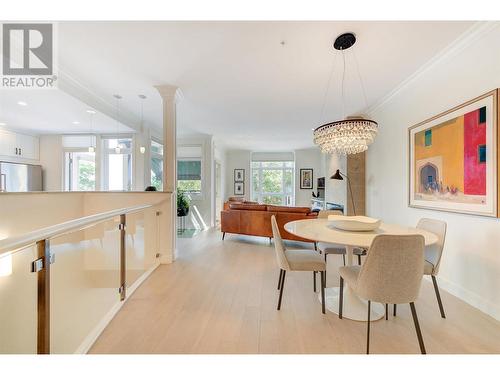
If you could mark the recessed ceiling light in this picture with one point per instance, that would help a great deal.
(76, 122)
(24, 104)
(91, 111)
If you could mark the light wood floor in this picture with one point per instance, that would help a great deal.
(220, 297)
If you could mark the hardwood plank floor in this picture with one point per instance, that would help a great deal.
(220, 297)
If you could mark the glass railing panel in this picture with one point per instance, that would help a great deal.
(18, 302)
(142, 244)
(85, 279)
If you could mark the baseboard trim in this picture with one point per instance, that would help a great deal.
(106, 319)
(470, 297)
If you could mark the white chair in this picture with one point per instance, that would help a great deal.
(297, 260)
(433, 255)
(392, 273)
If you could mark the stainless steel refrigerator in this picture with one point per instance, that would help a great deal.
(16, 177)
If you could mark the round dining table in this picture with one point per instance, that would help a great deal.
(322, 230)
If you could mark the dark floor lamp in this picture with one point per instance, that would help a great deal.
(339, 176)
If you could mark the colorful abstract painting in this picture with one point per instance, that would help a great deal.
(453, 159)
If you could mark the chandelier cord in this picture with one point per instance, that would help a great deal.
(343, 79)
(360, 80)
(325, 97)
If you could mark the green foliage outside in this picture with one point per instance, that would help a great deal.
(157, 173)
(189, 186)
(86, 175)
(278, 182)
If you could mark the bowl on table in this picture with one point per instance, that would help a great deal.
(354, 223)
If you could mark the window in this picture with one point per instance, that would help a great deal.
(482, 115)
(117, 163)
(481, 150)
(273, 182)
(79, 171)
(189, 175)
(428, 137)
(157, 165)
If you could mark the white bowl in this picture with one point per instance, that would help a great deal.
(354, 223)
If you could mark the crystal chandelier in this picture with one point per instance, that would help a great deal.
(353, 134)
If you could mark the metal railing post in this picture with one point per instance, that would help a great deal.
(123, 257)
(43, 290)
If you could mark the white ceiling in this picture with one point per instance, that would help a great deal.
(52, 112)
(239, 82)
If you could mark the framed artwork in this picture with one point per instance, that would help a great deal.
(239, 188)
(239, 175)
(306, 178)
(454, 159)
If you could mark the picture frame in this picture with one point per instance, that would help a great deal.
(306, 178)
(453, 159)
(239, 175)
(239, 188)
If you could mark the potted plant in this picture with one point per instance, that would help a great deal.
(182, 204)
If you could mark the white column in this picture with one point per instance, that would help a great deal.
(170, 96)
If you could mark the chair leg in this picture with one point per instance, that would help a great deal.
(314, 281)
(368, 328)
(323, 278)
(417, 328)
(394, 310)
(223, 235)
(341, 297)
(359, 260)
(438, 296)
(315, 246)
(343, 257)
(281, 289)
(279, 280)
(270, 241)
(325, 256)
(386, 311)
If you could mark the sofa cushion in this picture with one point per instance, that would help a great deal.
(298, 210)
(245, 206)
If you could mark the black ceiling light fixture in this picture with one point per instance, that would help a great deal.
(344, 41)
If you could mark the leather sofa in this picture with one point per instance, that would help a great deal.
(254, 219)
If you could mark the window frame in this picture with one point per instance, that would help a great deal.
(155, 155)
(196, 194)
(67, 181)
(258, 196)
(105, 160)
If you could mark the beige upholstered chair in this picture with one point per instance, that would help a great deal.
(297, 260)
(392, 273)
(433, 255)
(329, 248)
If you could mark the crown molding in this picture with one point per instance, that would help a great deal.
(78, 90)
(471, 35)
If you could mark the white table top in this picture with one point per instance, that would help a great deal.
(321, 230)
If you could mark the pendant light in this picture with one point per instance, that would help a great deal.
(92, 136)
(142, 149)
(351, 135)
(118, 98)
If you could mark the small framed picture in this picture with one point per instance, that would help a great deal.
(306, 178)
(239, 188)
(239, 175)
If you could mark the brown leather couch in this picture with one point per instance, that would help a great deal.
(254, 219)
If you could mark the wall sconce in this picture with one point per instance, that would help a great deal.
(6, 265)
(142, 149)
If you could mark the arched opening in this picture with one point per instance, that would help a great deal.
(428, 178)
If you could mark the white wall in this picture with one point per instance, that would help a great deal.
(307, 159)
(51, 160)
(237, 159)
(470, 268)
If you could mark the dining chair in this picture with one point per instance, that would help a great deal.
(297, 260)
(391, 274)
(329, 248)
(433, 255)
